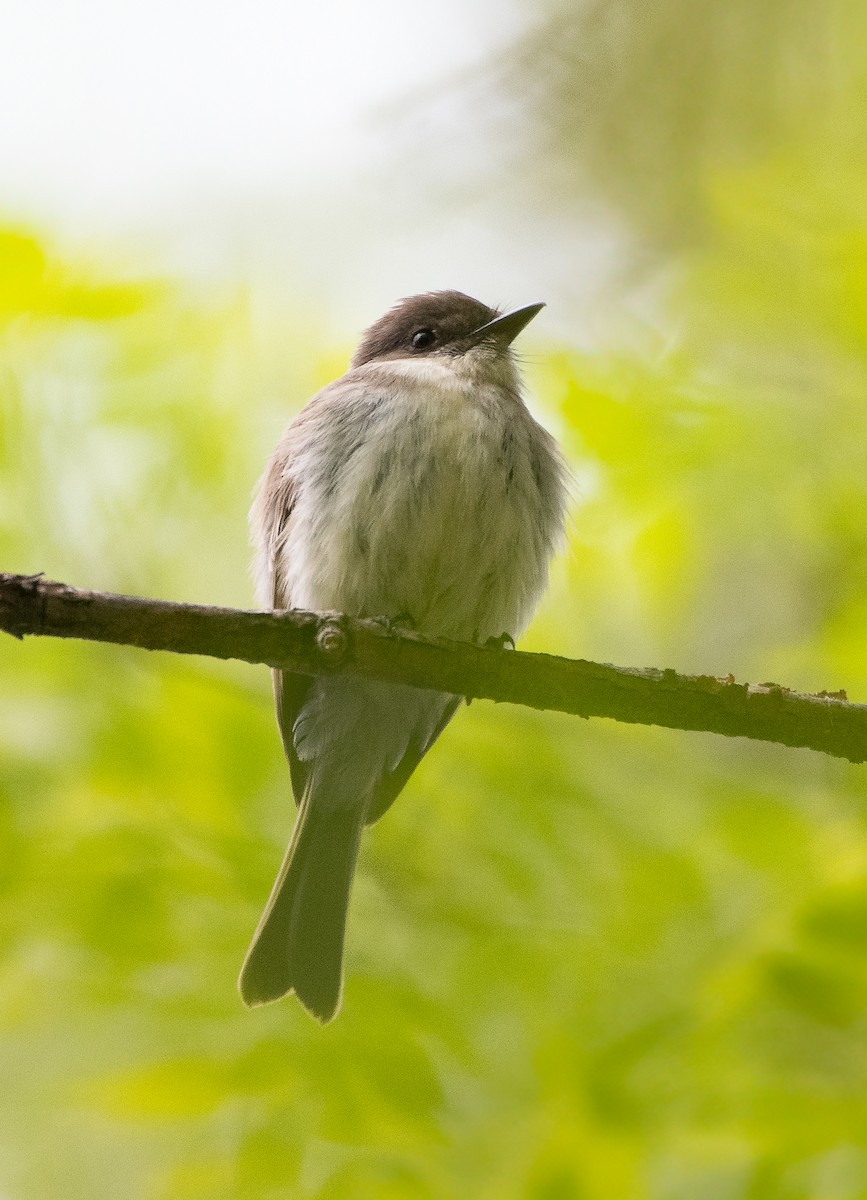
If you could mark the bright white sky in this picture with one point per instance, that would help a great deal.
(258, 135)
(113, 107)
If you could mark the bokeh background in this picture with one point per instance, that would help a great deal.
(584, 961)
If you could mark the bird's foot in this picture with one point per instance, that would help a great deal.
(500, 642)
(394, 626)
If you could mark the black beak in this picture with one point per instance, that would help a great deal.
(506, 328)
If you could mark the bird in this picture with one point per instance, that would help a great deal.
(416, 488)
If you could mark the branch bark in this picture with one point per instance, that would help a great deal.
(328, 643)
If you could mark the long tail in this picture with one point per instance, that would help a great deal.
(298, 945)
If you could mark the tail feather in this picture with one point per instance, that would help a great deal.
(298, 946)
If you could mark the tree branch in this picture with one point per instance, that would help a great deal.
(330, 643)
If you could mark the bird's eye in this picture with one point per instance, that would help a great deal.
(422, 338)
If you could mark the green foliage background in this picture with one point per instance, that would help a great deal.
(584, 961)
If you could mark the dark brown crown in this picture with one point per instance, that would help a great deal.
(451, 316)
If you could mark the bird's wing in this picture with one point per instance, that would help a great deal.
(392, 783)
(290, 692)
(271, 518)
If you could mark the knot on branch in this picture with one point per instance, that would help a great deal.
(332, 641)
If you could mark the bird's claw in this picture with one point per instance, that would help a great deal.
(396, 625)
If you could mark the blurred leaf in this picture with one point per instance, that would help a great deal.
(163, 1091)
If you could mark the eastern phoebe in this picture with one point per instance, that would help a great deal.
(418, 487)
